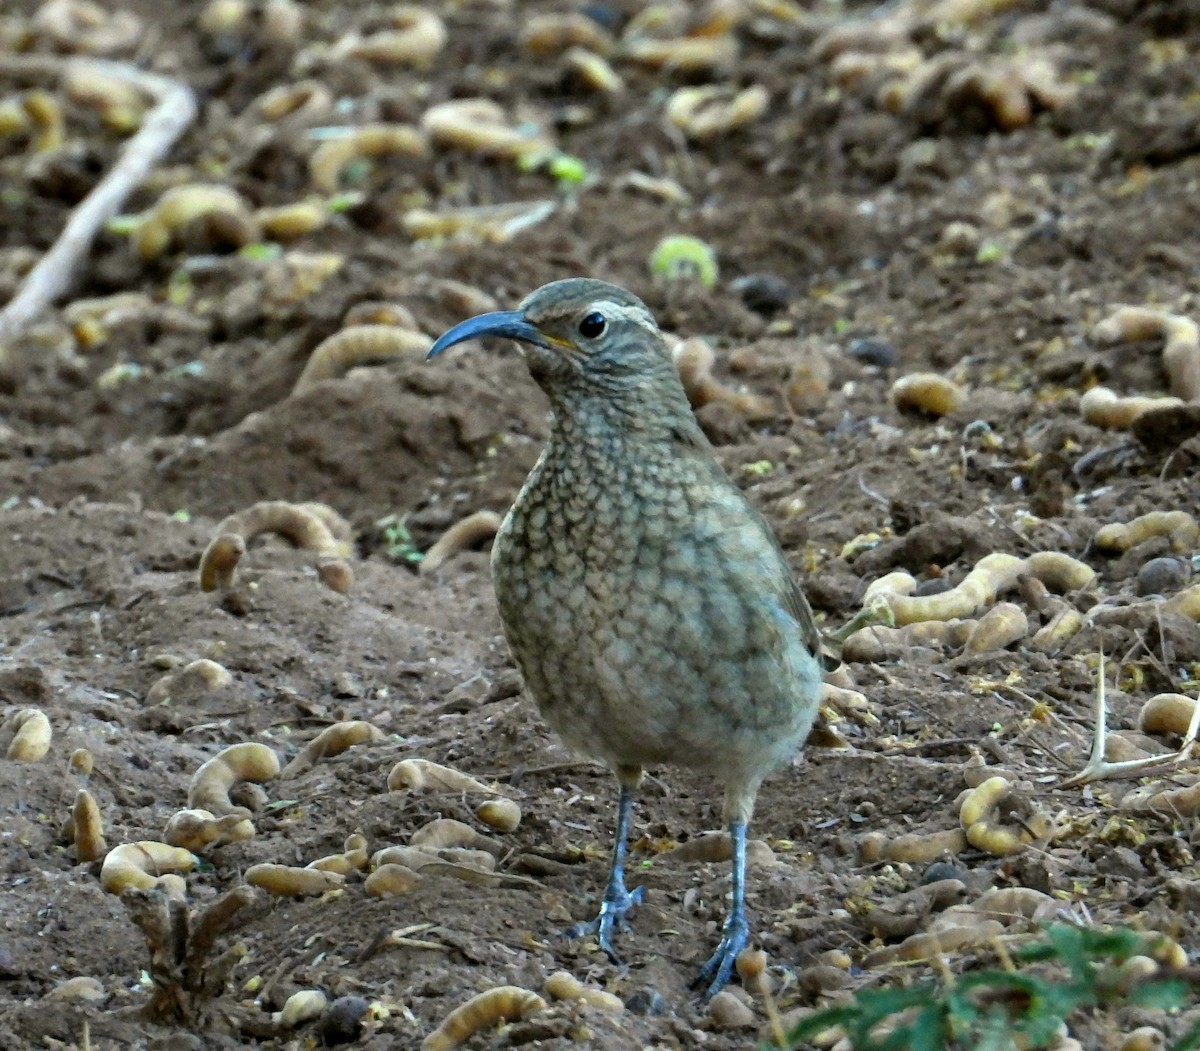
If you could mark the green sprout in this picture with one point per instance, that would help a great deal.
(567, 169)
(398, 543)
(990, 252)
(683, 258)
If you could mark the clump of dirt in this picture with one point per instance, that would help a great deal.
(956, 188)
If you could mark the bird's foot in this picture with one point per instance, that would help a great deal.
(613, 911)
(715, 973)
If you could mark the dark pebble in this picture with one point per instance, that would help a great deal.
(1161, 576)
(341, 1023)
(941, 870)
(763, 293)
(873, 352)
(646, 1002)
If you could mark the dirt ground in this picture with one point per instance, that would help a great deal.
(960, 187)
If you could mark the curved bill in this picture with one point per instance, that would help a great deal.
(510, 324)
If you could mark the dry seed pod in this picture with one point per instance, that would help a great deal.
(952, 939)
(391, 879)
(1059, 571)
(490, 223)
(1179, 526)
(371, 140)
(1185, 603)
(31, 736)
(290, 222)
(121, 105)
(1182, 802)
(464, 534)
(444, 832)
(694, 359)
(331, 741)
(504, 815)
(301, 1007)
(88, 828)
(727, 1011)
(562, 985)
(414, 775)
(354, 857)
(978, 817)
(553, 34)
(422, 857)
(185, 204)
(210, 786)
(481, 126)
(993, 575)
(1181, 350)
(592, 72)
(807, 388)
(1007, 904)
(683, 54)
(220, 560)
(879, 644)
(703, 113)
(198, 830)
(1167, 713)
(192, 680)
(83, 27)
(928, 392)
(304, 101)
(1104, 408)
(335, 574)
(358, 345)
(508, 1003)
(46, 115)
(380, 312)
(289, 881)
(717, 847)
(415, 37)
(1001, 626)
(81, 763)
(142, 864)
(306, 526)
(83, 989)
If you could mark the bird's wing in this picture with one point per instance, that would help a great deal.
(693, 446)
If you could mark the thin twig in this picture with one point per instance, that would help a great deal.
(175, 109)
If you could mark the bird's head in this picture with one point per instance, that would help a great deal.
(579, 336)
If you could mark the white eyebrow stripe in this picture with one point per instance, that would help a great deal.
(626, 312)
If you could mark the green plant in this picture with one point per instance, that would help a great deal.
(1068, 969)
(398, 543)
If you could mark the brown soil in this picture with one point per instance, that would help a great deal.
(111, 483)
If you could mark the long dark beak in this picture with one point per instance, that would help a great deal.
(508, 323)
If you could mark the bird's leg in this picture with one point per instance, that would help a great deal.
(736, 934)
(617, 900)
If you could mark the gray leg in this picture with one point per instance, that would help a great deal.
(617, 900)
(715, 973)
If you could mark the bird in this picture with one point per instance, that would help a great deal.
(646, 602)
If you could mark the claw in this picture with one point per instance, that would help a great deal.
(717, 971)
(611, 920)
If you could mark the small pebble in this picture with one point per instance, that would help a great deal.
(873, 352)
(645, 1002)
(765, 294)
(342, 1021)
(1161, 576)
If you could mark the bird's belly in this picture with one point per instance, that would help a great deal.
(638, 669)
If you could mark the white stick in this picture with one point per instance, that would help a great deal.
(175, 109)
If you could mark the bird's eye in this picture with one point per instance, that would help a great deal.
(593, 325)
